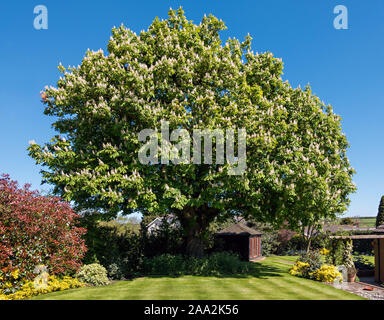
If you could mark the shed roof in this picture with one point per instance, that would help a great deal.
(239, 229)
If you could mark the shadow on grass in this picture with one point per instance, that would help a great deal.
(256, 270)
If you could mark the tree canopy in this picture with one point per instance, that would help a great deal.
(296, 164)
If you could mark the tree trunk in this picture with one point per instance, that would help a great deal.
(195, 247)
(309, 244)
(310, 232)
(195, 222)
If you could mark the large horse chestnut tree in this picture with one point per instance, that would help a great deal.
(296, 171)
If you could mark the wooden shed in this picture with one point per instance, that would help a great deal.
(240, 239)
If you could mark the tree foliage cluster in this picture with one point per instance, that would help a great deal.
(297, 170)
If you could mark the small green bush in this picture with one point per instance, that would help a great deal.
(165, 264)
(116, 271)
(216, 264)
(224, 263)
(313, 258)
(94, 274)
(347, 220)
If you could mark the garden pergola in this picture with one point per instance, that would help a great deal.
(378, 244)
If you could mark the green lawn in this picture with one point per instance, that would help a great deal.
(367, 222)
(269, 281)
(369, 258)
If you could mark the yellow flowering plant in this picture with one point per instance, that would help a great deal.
(327, 273)
(324, 251)
(15, 274)
(15, 286)
(310, 265)
(299, 269)
(9, 280)
(29, 289)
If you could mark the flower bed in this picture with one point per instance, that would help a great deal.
(30, 288)
(310, 266)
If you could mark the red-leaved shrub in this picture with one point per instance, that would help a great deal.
(37, 229)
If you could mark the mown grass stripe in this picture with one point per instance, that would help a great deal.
(263, 289)
(271, 281)
(309, 289)
(237, 289)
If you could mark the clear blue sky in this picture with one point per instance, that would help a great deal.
(344, 67)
